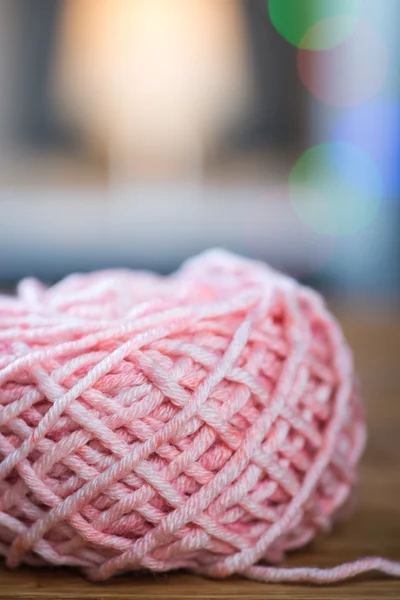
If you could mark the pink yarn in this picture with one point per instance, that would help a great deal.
(207, 421)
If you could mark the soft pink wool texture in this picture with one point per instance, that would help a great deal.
(207, 421)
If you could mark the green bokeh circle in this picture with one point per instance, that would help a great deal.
(344, 189)
(294, 19)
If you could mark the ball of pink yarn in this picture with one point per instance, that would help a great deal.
(207, 420)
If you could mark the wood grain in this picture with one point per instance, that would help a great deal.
(373, 529)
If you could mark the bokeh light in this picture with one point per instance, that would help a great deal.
(295, 21)
(375, 127)
(340, 187)
(348, 74)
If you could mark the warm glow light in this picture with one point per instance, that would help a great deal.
(151, 79)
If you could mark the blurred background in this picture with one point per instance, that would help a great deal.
(136, 133)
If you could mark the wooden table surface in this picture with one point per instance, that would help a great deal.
(373, 529)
